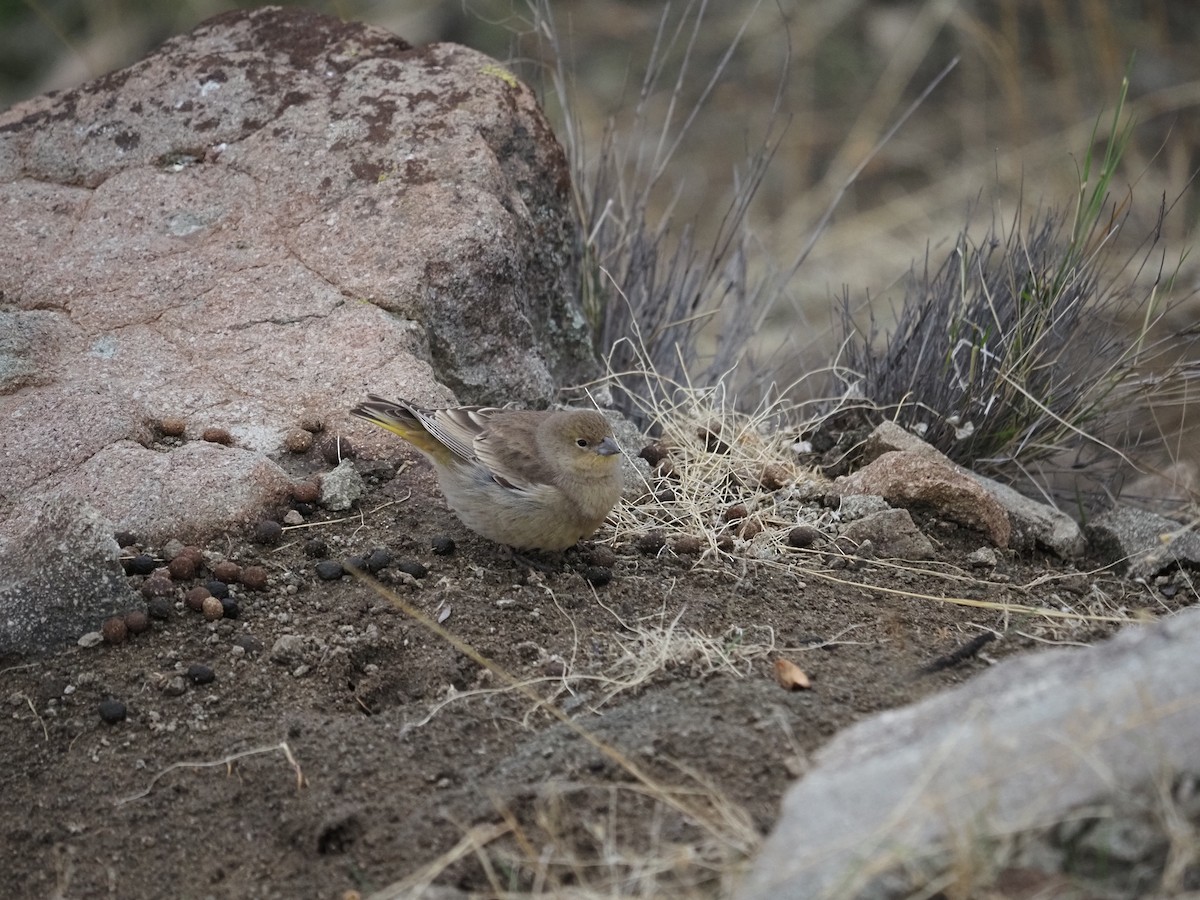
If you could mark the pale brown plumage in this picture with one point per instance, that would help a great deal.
(532, 480)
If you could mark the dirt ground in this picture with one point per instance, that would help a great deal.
(364, 750)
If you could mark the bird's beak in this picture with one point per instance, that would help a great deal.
(607, 447)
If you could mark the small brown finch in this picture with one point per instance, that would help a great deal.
(532, 480)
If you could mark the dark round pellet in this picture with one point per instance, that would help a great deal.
(159, 608)
(802, 536)
(194, 599)
(442, 545)
(142, 564)
(230, 608)
(112, 711)
(218, 589)
(268, 532)
(199, 673)
(598, 576)
(136, 621)
(379, 558)
(316, 548)
(254, 578)
(413, 568)
(330, 570)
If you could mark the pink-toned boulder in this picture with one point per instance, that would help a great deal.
(253, 227)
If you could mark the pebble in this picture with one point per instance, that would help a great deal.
(112, 711)
(330, 570)
(212, 608)
(91, 639)
(293, 517)
(174, 686)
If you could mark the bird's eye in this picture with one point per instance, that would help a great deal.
(582, 443)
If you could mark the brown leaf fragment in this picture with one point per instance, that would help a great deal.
(790, 676)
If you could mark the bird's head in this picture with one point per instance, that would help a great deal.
(582, 440)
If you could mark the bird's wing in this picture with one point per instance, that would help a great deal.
(457, 428)
(508, 448)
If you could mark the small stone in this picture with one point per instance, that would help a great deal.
(687, 545)
(172, 549)
(217, 588)
(194, 599)
(114, 630)
(330, 570)
(306, 491)
(294, 517)
(172, 426)
(136, 621)
(254, 578)
(598, 576)
(379, 558)
(554, 667)
(217, 436)
(182, 567)
(413, 568)
(174, 686)
(142, 564)
(157, 586)
(983, 558)
(288, 648)
(230, 608)
(212, 609)
(199, 673)
(268, 533)
(228, 572)
(297, 440)
(650, 542)
(91, 639)
(442, 545)
(159, 608)
(803, 536)
(112, 711)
